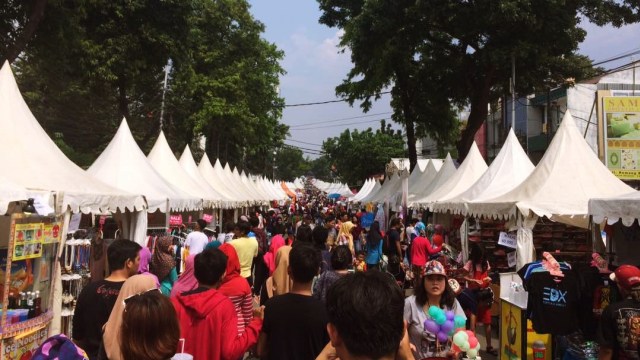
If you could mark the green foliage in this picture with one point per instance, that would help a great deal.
(360, 154)
(320, 168)
(438, 52)
(290, 164)
(92, 62)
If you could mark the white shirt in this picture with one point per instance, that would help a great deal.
(196, 241)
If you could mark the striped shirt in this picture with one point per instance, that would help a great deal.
(244, 309)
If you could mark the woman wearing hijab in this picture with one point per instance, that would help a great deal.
(279, 283)
(143, 268)
(187, 280)
(374, 247)
(236, 288)
(345, 237)
(270, 257)
(163, 265)
(134, 285)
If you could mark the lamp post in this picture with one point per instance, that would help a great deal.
(274, 164)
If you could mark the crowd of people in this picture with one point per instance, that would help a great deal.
(302, 282)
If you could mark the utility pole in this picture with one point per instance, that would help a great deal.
(513, 92)
(164, 90)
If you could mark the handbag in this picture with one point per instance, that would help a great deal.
(485, 296)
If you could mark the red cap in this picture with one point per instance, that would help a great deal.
(627, 276)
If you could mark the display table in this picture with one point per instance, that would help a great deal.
(516, 331)
(28, 252)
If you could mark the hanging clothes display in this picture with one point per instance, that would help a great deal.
(553, 296)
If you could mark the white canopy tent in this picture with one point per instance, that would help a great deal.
(124, 165)
(567, 176)
(226, 173)
(419, 185)
(468, 173)
(364, 190)
(188, 164)
(625, 208)
(374, 188)
(36, 163)
(508, 170)
(165, 162)
(217, 182)
(390, 187)
(10, 192)
(446, 171)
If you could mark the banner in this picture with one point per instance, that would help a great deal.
(508, 240)
(175, 220)
(27, 241)
(622, 135)
(24, 345)
(208, 218)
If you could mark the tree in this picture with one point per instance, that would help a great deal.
(225, 86)
(290, 164)
(464, 49)
(92, 62)
(19, 21)
(320, 168)
(360, 154)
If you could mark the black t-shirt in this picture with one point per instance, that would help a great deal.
(393, 237)
(620, 329)
(296, 327)
(93, 308)
(553, 305)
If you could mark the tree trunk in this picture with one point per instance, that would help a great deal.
(123, 103)
(36, 16)
(477, 115)
(407, 110)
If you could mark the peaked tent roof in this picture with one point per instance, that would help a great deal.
(418, 185)
(216, 182)
(37, 163)
(468, 173)
(124, 166)
(625, 208)
(389, 189)
(374, 188)
(560, 187)
(364, 190)
(165, 162)
(10, 192)
(446, 171)
(188, 164)
(508, 170)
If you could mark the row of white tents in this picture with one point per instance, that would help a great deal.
(122, 179)
(569, 184)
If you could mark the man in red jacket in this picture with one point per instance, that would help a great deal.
(208, 320)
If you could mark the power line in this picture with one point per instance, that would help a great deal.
(302, 142)
(341, 119)
(329, 126)
(328, 101)
(302, 148)
(622, 56)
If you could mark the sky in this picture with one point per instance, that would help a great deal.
(315, 65)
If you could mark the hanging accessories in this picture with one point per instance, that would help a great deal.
(68, 258)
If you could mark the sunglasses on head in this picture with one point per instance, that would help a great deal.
(126, 300)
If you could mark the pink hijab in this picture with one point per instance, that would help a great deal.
(187, 280)
(270, 257)
(143, 268)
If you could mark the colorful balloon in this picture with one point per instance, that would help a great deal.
(443, 337)
(459, 322)
(440, 319)
(473, 342)
(470, 333)
(465, 346)
(461, 338)
(472, 353)
(450, 314)
(434, 311)
(447, 327)
(431, 326)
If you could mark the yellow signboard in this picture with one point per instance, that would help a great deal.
(27, 241)
(622, 135)
(511, 332)
(23, 346)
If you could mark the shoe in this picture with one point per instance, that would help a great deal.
(490, 350)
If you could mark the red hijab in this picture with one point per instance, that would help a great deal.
(233, 284)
